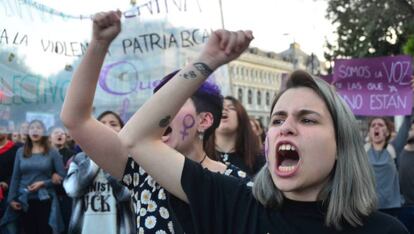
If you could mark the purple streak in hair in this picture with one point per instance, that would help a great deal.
(165, 80)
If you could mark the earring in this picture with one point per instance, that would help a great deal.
(201, 135)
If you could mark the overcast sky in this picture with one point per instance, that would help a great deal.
(277, 23)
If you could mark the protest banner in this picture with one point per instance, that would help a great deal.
(41, 46)
(378, 86)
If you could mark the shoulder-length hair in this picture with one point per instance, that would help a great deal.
(388, 124)
(44, 141)
(350, 193)
(247, 144)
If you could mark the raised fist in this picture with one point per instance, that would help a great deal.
(106, 26)
(224, 46)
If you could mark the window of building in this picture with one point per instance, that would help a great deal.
(240, 94)
(249, 96)
(267, 98)
(259, 98)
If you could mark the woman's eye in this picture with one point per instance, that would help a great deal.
(277, 121)
(308, 121)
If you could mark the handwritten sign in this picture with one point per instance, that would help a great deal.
(43, 44)
(375, 86)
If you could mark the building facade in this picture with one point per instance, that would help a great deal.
(256, 77)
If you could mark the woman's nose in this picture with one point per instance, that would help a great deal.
(288, 128)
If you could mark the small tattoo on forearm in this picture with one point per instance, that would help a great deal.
(189, 75)
(203, 68)
(165, 121)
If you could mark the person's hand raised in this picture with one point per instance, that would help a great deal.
(106, 26)
(224, 46)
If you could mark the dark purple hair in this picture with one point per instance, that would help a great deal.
(207, 98)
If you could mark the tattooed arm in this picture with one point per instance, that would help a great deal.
(142, 134)
(98, 141)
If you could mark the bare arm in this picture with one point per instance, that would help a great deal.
(99, 142)
(142, 134)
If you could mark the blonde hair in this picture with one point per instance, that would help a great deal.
(350, 193)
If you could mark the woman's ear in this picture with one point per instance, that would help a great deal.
(205, 120)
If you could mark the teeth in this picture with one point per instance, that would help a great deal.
(286, 168)
(287, 147)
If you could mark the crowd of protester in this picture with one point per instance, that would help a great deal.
(111, 178)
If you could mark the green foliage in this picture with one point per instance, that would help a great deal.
(367, 28)
(409, 46)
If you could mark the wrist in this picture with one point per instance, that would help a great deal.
(99, 45)
(210, 62)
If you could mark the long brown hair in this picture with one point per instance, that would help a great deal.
(44, 141)
(247, 144)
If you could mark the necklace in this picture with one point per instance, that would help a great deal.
(218, 148)
(224, 154)
(204, 158)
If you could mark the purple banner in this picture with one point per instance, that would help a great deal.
(375, 86)
(327, 78)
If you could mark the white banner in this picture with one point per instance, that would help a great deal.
(41, 46)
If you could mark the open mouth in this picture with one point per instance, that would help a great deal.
(287, 159)
(224, 117)
(168, 130)
(35, 135)
(376, 133)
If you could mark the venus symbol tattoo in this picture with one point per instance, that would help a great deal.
(188, 122)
